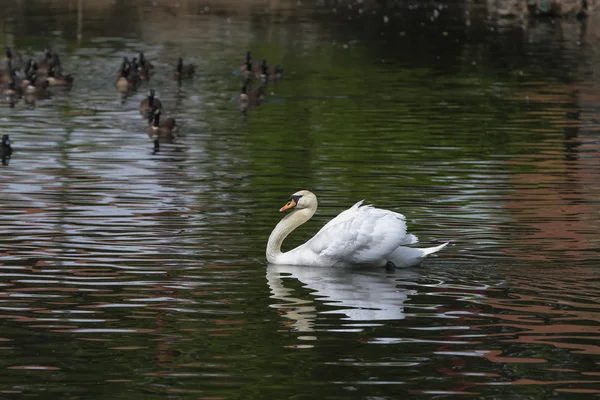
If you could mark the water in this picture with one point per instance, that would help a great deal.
(128, 274)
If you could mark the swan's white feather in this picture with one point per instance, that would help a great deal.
(343, 216)
(361, 235)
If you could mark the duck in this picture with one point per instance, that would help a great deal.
(276, 73)
(249, 95)
(247, 65)
(128, 78)
(11, 93)
(583, 11)
(133, 73)
(35, 86)
(144, 63)
(5, 150)
(11, 90)
(8, 55)
(125, 65)
(8, 73)
(160, 125)
(160, 129)
(134, 66)
(244, 93)
(15, 58)
(55, 79)
(26, 69)
(30, 70)
(267, 73)
(183, 71)
(123, 84)
(149, 104)
(249, 68)
(359, 236)
(144, 68)
(49, 59)
(263, 72)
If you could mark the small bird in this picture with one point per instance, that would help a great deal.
(5, 150)
(183, 71)
(149, 104)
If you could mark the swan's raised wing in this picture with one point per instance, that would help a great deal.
(343, 216)
(360, 235)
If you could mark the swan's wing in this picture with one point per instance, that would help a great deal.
(361, 235)
(343, 216)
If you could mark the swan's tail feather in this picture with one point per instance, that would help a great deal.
(411, 256)
(409, 239)
(431, 250)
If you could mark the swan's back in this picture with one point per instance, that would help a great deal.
(344, 216)
(361, 235)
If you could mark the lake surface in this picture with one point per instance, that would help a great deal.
(129, 274)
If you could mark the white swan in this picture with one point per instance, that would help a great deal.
(359, 236)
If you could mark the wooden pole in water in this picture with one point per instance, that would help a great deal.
(79, 20)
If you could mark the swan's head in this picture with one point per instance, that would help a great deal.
(300, 200)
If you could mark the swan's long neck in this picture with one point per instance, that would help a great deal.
(284, 228)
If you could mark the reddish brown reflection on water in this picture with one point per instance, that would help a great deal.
(544, 317)
(554, 311)
(555, 197)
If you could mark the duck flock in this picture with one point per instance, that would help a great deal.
(249, 70)
(31, 80)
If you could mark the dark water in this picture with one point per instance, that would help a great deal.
(128, 274)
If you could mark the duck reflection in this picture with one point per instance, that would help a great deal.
(358, 295)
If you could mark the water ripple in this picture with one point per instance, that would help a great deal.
(146, 271)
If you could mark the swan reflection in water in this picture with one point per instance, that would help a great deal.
(358, 295)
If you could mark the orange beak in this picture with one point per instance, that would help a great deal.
(289, 204)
